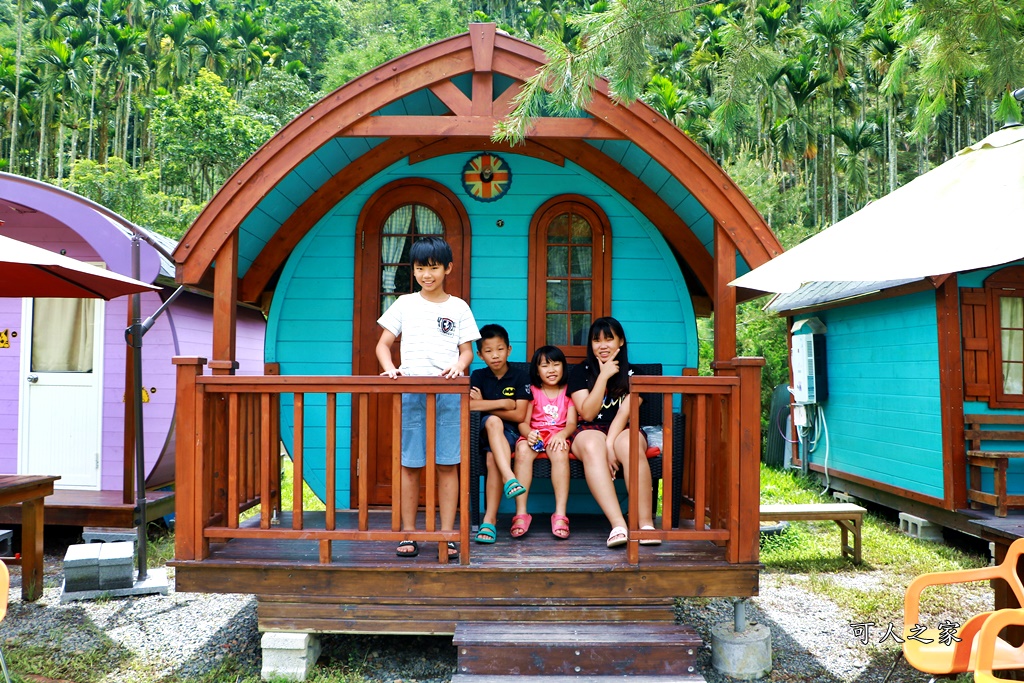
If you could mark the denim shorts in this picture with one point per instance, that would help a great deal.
(511, 434)
(448, 435)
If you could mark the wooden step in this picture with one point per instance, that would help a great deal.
(577, 649)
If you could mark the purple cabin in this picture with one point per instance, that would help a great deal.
(63, 362)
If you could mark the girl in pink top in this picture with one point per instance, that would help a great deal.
(551, 424)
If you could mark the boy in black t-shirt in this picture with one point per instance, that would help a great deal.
(501, 393)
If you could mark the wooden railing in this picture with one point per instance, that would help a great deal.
(228, 459)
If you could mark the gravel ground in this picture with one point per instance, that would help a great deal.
(183, 635)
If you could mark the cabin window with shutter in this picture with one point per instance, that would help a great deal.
(404, 225)
(570, 273)
(1005, 289)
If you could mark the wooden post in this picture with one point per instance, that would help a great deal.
(725, 296)
(744, 545)
(225, 301)
(188, 473)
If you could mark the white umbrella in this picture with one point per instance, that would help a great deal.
(30, 271)
(967, 213)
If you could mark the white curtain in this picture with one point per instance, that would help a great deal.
(428, 222)
(1011, 320)
(62, 335)
(391, 247)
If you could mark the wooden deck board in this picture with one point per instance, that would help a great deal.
(367, 589)
(93, 508)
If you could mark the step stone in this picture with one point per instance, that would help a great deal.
(81, 567)
(576, 649)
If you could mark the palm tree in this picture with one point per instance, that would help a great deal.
(213, 44)
(173, 64)
(859, 138)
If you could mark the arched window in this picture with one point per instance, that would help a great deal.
(570, 273)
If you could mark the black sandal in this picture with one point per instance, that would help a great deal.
(408, 544)
(453, 551)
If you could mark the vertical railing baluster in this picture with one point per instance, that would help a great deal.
(431, 469)
(363, 461)
(232, 473)
(633, 481)
(396, 462)
(700, 461)
(267, 458)
(300, 429)
(464, 448)
(331, 453)
(668, 493)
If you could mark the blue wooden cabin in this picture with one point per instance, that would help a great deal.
(610, 212)
(915, 372)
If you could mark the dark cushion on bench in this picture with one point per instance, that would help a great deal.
(650, 415)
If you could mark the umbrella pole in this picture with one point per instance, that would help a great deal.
(134, 336)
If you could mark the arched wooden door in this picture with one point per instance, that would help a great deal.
(393, 218)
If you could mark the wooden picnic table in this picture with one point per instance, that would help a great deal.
(29, 490)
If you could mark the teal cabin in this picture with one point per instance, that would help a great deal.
(610, 212)
(919, 401)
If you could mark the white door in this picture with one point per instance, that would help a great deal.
(62, 390)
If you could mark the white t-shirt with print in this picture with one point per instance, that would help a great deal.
(431, 332)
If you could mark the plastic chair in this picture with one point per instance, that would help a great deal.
(5, 589)
(988, 642)
(960, 657)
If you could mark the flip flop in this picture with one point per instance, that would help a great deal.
(513, 488)
(520, 525)
(618, 536)
(560, 526)
(649, 541)
(487, 533)
(453, 551)
(408, 544)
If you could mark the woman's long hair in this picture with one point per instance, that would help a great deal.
(552, 354)
(618, 384)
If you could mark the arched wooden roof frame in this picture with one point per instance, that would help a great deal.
(481, 52)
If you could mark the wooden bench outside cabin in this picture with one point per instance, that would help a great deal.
(1003, 428)
(848, 516)
(650, 415)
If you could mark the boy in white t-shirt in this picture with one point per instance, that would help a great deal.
(437, 330)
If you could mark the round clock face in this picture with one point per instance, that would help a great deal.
(486, 177)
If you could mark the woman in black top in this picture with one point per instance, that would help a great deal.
(599, 388)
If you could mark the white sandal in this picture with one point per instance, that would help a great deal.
(649, 541)
(618, 536)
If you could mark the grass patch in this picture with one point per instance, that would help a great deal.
(93, 656)
(874, 590)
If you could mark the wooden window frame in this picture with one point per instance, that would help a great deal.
(997, 286)
(601, 268)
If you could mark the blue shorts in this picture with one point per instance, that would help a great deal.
(511, 434)
(448, 434)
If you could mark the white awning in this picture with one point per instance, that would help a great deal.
(967, 213)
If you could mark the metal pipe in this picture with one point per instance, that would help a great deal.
(739, 615)
(134, 336)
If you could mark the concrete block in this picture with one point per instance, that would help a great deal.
(5, 542)
(289, 655)
(919, 527)
(991, 554)
(115, 565)
(844, 498)
(746, 655)
(82, 567)
(95, 534)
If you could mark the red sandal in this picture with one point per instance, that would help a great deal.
(520, 525)
(560, 526)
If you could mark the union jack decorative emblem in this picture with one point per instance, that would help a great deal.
(486, 177)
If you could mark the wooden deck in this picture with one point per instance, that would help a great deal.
(94, 508)
(366, 588)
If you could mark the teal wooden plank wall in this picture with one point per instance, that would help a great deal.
(883, 409)
(309, 331)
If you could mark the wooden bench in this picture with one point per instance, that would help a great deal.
(999, 428)
(650, 415)
(848, 516)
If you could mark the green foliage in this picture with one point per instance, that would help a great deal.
(375, 31)
(134, 194)
(201, 137)
(275, 98)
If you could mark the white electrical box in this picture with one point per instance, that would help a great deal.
(808, 362)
